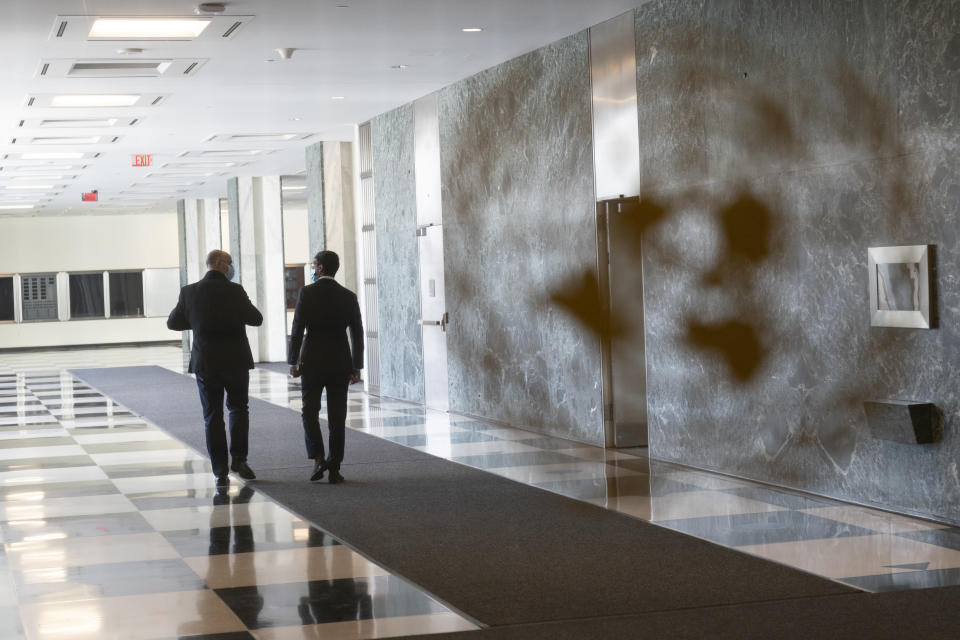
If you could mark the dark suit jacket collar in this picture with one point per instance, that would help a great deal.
(213, 274)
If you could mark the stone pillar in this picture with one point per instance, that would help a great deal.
(195, 258)
(209, 225)
(256, 244)
(338, 204)
(316, 228)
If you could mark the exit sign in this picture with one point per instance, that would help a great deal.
(143, 160)
(90, 196)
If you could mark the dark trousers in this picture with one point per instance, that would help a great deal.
(212, 388)
(312, 387)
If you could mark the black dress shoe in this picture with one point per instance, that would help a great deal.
(243, 470)
(334, 477)
(223, 481)
(318, 468)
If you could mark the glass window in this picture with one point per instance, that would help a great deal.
(293, 281)
(126, 294)
(86, 295)
(39, 297)
(6, 298)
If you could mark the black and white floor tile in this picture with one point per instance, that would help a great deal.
(112, 529)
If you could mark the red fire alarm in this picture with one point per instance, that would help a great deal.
(89, 196)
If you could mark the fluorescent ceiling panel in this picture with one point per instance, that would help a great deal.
(203, 164)
(218, 153)
(68, 139)
(95, 100)
(258, 137)
(147, 28)
(53, 155)
(12, 207)
(78, 123)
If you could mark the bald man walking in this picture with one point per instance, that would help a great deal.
(218, 310)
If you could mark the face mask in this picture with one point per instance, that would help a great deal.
(314, 277)
(230, 272)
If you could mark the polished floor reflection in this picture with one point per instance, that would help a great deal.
(112, 529)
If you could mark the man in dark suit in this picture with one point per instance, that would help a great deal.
(217, 311)
(326, 310)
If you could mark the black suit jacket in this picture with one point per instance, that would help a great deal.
(325, 309)
(217, 311)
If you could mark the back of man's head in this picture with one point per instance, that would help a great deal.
(330, 262)
(219, 260)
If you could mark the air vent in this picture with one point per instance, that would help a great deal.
(203, 164)
(51, 158)
(119, 67)
(79, 123)
(233, 27)
(105, 28)
(226, 153)
(69, 140)
(258, 137)
(92, 100)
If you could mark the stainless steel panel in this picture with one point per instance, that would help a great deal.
(427, 159)
(616, 137)
(624, 352)
(430, 248)
(433, 319)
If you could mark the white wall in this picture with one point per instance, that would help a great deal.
(88, 243)
(296, 241)
(93, 243)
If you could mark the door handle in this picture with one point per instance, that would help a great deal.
(442, 322)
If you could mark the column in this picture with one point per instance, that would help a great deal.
(192, 260)
(256, 244)
(338, 206)
(209, 225)
(316, 229)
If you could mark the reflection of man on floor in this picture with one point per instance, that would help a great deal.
(326, 310)
(242, 570)
(332, 600)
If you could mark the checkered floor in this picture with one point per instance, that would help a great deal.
(112, 529)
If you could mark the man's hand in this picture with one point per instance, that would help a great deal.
(355, 376)
(294, 371)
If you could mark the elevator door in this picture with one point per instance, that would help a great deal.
(624, 356)
(433, 317)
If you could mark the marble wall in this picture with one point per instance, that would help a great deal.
(778, 142)
(518, 217)
(398, 278)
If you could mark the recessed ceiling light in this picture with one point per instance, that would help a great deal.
(7, 207)
(336, 97)
(399, 67)
(94, 100)
(52, 155)
(62, 123)
(40, 187)
(471, 29)
(148, 28)
(66, 140)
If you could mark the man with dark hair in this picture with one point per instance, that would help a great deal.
(217, 311)
(325, 309)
